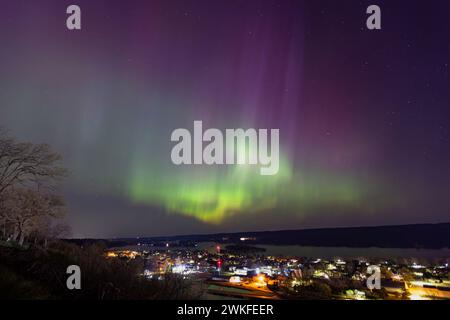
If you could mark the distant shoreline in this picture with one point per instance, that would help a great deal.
(416, 236)
(317, 252)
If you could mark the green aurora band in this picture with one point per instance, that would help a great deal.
(212, 194)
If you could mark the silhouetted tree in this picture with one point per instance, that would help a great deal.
(28, 176)
(26, 211)
(27, 164)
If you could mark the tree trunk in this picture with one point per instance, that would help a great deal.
(21, 239)
(15, 234)
(21, 234)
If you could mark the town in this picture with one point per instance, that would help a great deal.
(219, 271)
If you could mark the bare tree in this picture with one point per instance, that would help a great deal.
(26, 211)
(29, 173)
(27, 164)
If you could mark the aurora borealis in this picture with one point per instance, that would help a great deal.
(364, 116)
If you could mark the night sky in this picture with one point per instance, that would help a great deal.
(364, 116)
